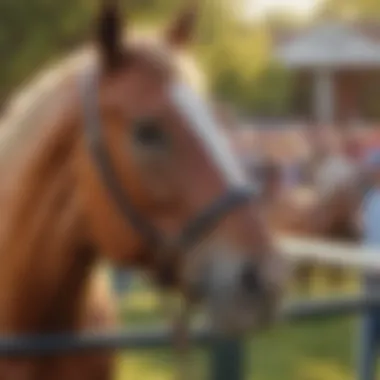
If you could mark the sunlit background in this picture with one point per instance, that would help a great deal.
(261, 8)
(242, 48)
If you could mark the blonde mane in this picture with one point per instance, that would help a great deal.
(24, 113)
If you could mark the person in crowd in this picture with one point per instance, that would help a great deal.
(333, 166)
(268, 174)
(293, 175)
(369, 220)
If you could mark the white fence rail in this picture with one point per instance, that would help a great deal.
(330, 253)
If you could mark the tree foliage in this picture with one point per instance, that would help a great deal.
(32, 32)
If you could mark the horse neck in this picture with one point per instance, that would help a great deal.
(45, 261)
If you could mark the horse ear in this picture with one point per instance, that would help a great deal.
(110, 34)
(183, 28)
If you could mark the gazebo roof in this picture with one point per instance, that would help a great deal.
(333, 45)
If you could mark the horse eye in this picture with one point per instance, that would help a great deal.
(148, 132)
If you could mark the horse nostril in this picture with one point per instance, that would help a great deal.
(250, 279)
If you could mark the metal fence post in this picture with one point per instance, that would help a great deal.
(227, 360)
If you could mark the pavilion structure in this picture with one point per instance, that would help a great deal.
(337, 72)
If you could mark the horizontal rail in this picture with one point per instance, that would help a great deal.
(158, 337)
(326, 252)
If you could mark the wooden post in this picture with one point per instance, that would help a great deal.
(324, 96)
(227, 360)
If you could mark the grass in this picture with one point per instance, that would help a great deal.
(313, 350)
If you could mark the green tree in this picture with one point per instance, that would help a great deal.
(33, 31)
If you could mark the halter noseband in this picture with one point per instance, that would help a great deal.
(195, 229)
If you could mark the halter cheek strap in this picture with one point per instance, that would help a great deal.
(99, 153)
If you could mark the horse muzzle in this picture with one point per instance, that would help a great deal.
(242, 295)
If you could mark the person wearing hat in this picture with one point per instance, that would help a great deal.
(370, 229)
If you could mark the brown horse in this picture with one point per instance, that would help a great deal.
(119, 155)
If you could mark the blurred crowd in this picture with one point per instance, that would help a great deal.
(334, 158)
(317, 157)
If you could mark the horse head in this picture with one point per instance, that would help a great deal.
(160, 184)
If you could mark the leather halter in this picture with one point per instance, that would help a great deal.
(194, 230)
